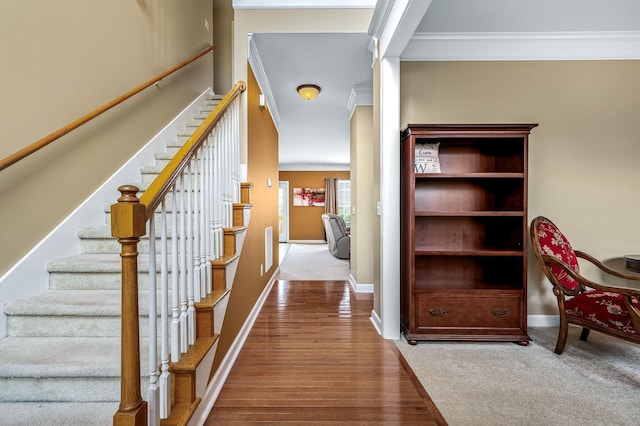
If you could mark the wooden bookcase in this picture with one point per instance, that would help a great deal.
(463, 234)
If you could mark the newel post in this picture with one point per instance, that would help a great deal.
(128, 225)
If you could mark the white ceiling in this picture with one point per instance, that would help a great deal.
(315, 134)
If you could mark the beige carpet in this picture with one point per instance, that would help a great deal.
(591, 383)
(311, 262)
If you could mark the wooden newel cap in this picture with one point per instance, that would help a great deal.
(128, 194)
(127, 216)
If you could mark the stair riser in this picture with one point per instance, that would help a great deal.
(168, 199)
(109, 280)
(53, 389)
(93, 281)
(104, 246)
(57, 389)
(55, 326)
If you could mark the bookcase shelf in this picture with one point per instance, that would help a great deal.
(464, 234)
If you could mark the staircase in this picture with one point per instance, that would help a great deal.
(60, 361)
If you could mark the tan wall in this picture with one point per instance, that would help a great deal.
(305, 223)
(583, 157)
(66, 58)
(362, 195)
(262, 165)
(223, 40)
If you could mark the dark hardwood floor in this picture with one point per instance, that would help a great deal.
(313, 357)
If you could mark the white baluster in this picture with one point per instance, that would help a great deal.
(153, 393)
(203, 221)
(219, 136)
(165, 378)
(210, 237)
(196, 229)
(236, 144)
(184, 335)
(175, 290)
(228, 184)
(191, 317)
(212, 200)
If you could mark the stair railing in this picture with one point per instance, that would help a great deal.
(189, 203)
(41, 143)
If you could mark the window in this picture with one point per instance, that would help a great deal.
(344, 201)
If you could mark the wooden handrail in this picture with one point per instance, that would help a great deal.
(25, 152)
(160, 186)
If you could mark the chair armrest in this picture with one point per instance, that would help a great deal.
(587, 282)
(605, 268)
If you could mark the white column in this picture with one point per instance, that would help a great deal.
(389, 197)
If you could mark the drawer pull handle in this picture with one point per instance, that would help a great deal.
(500, 312)
(437, 312)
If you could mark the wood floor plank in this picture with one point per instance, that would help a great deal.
(313, 357)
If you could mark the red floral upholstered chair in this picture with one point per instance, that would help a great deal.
(613, 310)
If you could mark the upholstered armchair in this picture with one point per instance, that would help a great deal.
(338, 239)
(609, 309)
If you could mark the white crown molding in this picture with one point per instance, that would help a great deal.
(360, 95)
(394, 22)
(261, 76)
(380, 17)
(304, 4)
(610, 45)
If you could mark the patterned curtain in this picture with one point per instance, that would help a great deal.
(331, 195)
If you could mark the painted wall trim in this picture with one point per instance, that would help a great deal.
(217, 381)
(375, 320)
(359, 288)
(261, 77)
(29, 275)
(543, 320)
(523, 46)
(304, 4)
(360, 95)
(306, 242)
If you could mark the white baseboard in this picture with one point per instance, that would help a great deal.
(306, 242)
(29, 275)
(217, 381)
(543, 320)
(375, 320)
(359, 288)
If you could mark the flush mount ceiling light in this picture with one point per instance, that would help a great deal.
(308, 91)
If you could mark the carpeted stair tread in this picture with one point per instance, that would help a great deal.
(74, 303)
(60, 357)
(57, 413)
(95, 232)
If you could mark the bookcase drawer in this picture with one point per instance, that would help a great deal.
(468, 311)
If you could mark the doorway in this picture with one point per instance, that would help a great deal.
(283, 211)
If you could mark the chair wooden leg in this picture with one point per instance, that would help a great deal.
(585, 334)
(562, 334)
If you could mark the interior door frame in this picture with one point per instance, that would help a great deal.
(284, 186)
